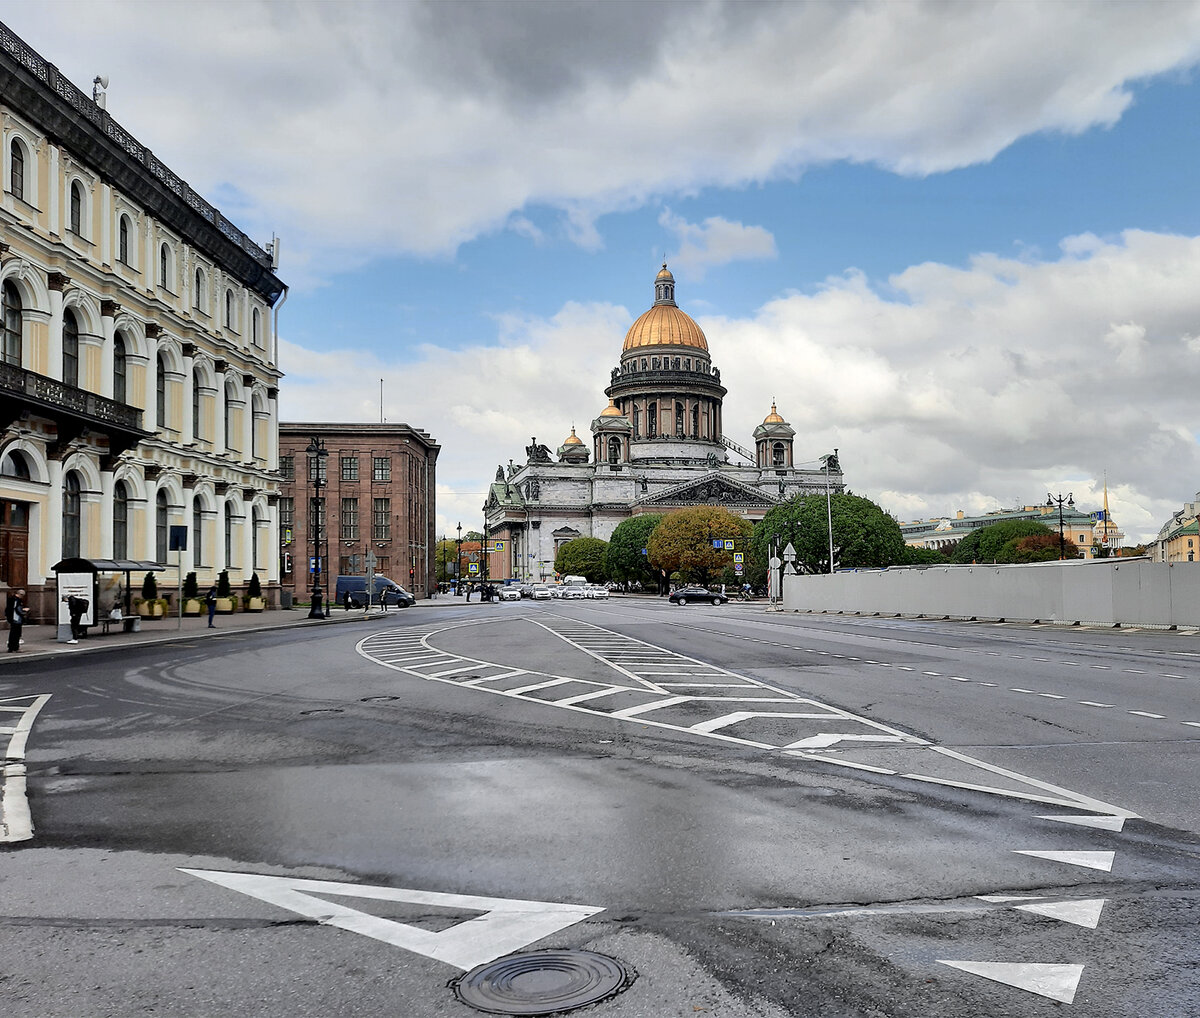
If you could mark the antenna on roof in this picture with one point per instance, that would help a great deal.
(381, 420)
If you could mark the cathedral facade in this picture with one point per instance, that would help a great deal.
(657, 447)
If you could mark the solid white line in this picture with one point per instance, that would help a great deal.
(596, 694)
(539, 685)
(1147, 714)
(645, 708)
(452, 671)
(1194, 724)
(1092, 703)
(1052, 696)
(714, 724)
(713, 685)
(840, 763)
(1017, 689)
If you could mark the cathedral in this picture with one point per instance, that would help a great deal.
(657, 447)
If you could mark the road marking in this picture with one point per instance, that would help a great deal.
(1052, 696)
(1092, 703)
(1058, 982)
(1193, 724)
(643, 708)
(715, 724)
(1146, 714)
(1101, 823)
(16, 820)
(827, 739)
(507, 925)
(1078, 913)
(1091, 860)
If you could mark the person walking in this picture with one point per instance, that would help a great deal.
(14, 611)
(76, 609)
(211, 600)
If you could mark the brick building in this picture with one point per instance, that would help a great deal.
(377, 494)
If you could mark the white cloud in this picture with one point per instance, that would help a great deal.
(970, 389)
(716, 241)
(355, 129)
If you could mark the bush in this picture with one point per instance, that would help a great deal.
(191, 589)
(223, 588)
(254, 588)
(149, 588)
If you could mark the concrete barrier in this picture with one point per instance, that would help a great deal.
(1126, 592)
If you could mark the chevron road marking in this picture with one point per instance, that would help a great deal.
(16, 821)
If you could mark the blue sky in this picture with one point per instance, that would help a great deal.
(960, 242)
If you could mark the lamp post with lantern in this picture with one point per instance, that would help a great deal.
(1058, 500)
(458, 564)
(317, 457)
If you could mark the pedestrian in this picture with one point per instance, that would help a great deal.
(14, 611)
(470, 587)
(211, 600)
(76, 609)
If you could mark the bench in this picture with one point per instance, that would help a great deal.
(129, 623)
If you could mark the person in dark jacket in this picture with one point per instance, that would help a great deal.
(14, 611)
(211, 600)
(76, 609)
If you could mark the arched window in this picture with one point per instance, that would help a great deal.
(15, 465)
(16, 170)
(652, 420)
(229, 309)
(614, 449)
(164, 267)
(777, 454)
(70, 343)
(76, 209)
(255, 327)
(12, 325)
(123, 240)
(160, 392)
(120, 370)
(162, 528)
(197, 534)
(198, 291)
(229, 511)
(120, 521)
(197, 430)
(679, 420)
(637, 417)
(71, 516)
(695, 420)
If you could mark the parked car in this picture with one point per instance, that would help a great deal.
(527, 589)
(594, 590)
(510, 593)
(573, 593)
(541, 593)
(688, 595)
(351, 592)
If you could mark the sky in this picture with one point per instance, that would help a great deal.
(959, 242)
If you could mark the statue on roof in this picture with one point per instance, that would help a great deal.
(537, 453)
(499, 475)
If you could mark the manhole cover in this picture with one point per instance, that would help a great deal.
(542, 982)
(322, 710)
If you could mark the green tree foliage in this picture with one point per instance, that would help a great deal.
(583, 556)
(149, 588)
(191, 589)
(923, 557)
(444, 560)
(223, 587)
(254, 587)
(864, 536)
(683, 542)
(984, 544)
(624, 560)
(1036, 548)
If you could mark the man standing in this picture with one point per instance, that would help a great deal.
(76, 608)
(14, 611)
(211, 600)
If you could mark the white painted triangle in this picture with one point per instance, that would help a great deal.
(1058, 982)
(1101, 823)
(508, 924)
(1081, 913)
(1092, 860)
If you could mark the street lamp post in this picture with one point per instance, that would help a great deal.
(317, 455)
(1058, 500)
(458, 564)
(829, 506)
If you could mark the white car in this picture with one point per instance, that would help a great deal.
(510, 593)
(596, 591)
(541, 593)
(573, 593)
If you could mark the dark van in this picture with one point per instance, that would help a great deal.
(351, 592)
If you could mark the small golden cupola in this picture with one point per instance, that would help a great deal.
(773, 442)
(573, 450)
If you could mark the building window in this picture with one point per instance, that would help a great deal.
(120, 372)
(161, 527)
(120, 521)
(229, 309)
(229, 511)
(316, 518)
(12, 325)
(349, 519)
(287, 467)
(652, 420)
(198, 291)
(381, 520)
(197, 534)
(777, 454)
(70, 365)
(16, 170)
(164, 267)
(230, 431)
(76, 209)
(679, 420)
(71, 516)
(349, 468)
(695, 420)
(255, 442)
(637, 425)
(123, 240)
(160, 395)
(257, 519)
(287, 512)
(197, 421)
(614, 450)
(256, 328)
(318, 468)
(381, 468)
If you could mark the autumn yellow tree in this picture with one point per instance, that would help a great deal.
(683, 542)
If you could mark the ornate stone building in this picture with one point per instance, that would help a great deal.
(138, 372)
(658, 446)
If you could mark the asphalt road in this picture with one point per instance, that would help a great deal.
(759, 814)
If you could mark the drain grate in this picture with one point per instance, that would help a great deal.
(378, 699)
(542, 982)
(322, 710)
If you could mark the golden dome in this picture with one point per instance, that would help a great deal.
(664, 273)
(573, 439)
(612, 410)
(664, 325)
(773, 417)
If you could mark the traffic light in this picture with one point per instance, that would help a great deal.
(411, 573)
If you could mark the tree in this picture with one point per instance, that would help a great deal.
(1036, 548)
(625, 559)
(683, 542)
(923, 557)
(445, 559)
(864, 536)
(583, 556)
(984, 544)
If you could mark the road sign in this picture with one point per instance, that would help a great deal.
(718, 543)
(775, 562)
(371, 560)
(737, 568)
(739, 557)
(729, 546)
(499, 546)
(472, 567)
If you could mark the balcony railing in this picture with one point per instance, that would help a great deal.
(49, 393)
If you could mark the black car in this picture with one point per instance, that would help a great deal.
(686, 595)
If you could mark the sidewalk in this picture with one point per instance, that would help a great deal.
(40, 642)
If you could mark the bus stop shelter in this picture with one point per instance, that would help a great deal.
(80, 576)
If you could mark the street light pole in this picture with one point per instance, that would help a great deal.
(829, 507)
(458, 564)
(1059, 500)
(317, 455)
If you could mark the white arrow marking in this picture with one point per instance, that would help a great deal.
(508, 924)
(16, 821)
(1101, 823)
(1092, 860)
(1080, 913)
(827, 739)
(1058, 982)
